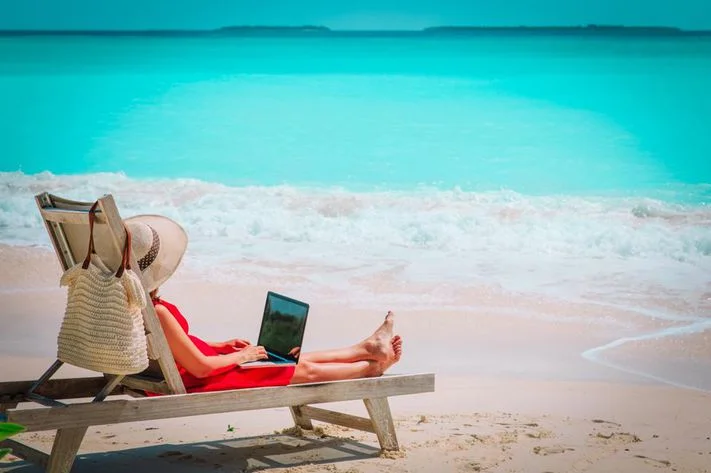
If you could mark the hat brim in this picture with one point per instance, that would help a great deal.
(173, 243)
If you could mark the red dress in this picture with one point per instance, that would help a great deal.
(230, 377)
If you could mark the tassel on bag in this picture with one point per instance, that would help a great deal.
(103, 327)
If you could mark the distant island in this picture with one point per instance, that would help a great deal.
(323, 31)
(278, 29)
(572, 30)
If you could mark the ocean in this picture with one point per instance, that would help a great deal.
(576, 168)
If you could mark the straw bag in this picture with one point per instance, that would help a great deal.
(103, 327)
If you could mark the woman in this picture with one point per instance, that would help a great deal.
(158, 243)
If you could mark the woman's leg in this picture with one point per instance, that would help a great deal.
(353, 353)
(378, 347)
(310, 372)
(338, 355)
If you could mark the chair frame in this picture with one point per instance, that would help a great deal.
(71, 420)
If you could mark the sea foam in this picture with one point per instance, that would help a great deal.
(613, 249)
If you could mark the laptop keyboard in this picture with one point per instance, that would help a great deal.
(274, 358)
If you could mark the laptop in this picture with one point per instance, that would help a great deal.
(282, 331)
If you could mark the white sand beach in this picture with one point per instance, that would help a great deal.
(513, 391)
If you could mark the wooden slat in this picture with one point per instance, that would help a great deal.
(108, 208)
(56, 234)
(146, 384)
(133, 392)
(67, 253)
(165, 407)
(4, 407)
(26, 452)
(379, 411)
(65, 448)
(151, 343)
(67, 388)
(76, 217)
(51, 371)
(112, 381)
(338, 418)
(66, 204)
(45, 401)
(159, 344)
(300, 419)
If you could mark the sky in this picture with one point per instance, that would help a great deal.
(344, 14)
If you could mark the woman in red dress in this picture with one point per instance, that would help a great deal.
(159, 244)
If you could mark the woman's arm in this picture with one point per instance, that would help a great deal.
(188, 356)
(235, 343)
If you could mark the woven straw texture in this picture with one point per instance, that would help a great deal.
(103, 327)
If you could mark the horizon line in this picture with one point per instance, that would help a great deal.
(318, 31)
(591, 26)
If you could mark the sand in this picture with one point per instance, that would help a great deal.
(513, 391)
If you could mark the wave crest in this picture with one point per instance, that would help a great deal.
(504, 236)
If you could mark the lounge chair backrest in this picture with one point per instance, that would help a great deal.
(67, 223)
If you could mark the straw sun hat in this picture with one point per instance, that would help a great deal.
(158, 243)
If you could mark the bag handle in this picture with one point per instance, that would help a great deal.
(126, 253)
(126, 260)
(90, 250)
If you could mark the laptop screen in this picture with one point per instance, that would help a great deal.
(283, 325)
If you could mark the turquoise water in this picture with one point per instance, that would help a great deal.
(577, 166)
(534, 115)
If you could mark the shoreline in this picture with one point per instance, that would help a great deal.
(600, 339)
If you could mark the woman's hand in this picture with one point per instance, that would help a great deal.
(252, 353)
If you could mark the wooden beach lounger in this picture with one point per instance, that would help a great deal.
(67, 224)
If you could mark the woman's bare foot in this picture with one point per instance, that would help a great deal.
(396, 343)
(394, 355)
(380, 345)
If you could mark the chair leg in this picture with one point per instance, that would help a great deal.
(65, 448)
(45, 376)
(300, 419)
(379, 411)
(112, 382)
(4, 408)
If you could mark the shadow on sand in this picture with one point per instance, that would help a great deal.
(233, 455)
